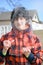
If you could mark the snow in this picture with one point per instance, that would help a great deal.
(37, 26)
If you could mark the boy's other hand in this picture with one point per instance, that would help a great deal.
(26, 51)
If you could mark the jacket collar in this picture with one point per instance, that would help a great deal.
(20, 34)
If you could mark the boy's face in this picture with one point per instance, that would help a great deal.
(20, 24)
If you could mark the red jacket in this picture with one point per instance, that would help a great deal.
(21, 39)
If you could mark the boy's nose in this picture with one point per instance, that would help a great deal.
(19, 24)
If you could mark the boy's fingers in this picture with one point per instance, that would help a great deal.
(7, 43)
(26, 50)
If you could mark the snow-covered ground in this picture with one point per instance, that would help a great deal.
(37, 26)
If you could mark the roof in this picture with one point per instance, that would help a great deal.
(41, 22)
(32, 12)
(6, 15)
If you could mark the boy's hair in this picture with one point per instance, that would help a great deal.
(19, 12)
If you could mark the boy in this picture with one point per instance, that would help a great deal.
(20, 46)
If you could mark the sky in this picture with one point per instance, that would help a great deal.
(29, 4)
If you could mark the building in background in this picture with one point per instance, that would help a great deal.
(36, 23)
(5, 25)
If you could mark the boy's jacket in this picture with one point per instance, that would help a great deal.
(20, 40)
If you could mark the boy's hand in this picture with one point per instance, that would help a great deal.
(7, 45)
(26, 51)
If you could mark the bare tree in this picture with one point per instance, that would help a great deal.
(13, 3)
